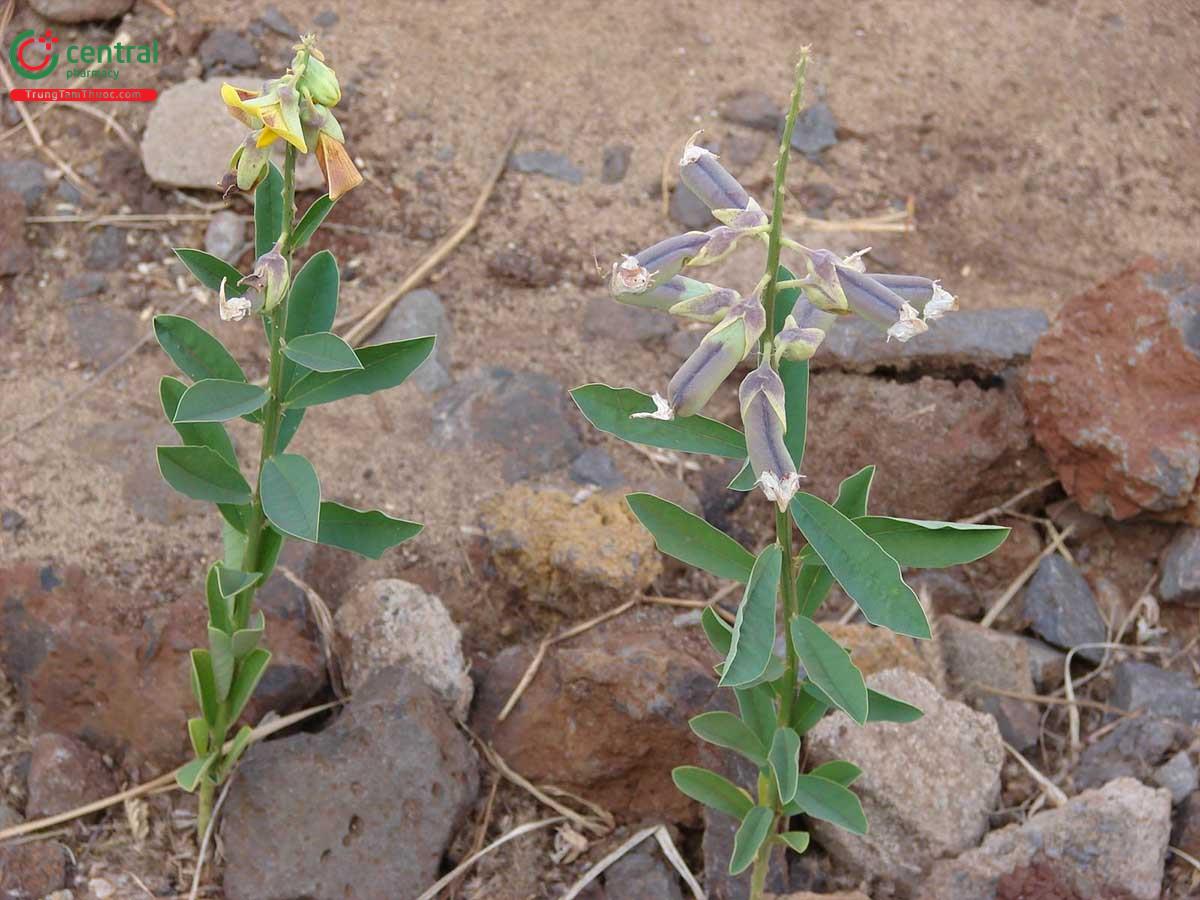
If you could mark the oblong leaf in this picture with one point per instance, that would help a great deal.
(188, 777)
(211, 270)
(197, 353)
(368, 533)
(231, 582)
(610, 409)
(807, 709)
(220, 652)
(244, 640)
(795, 840)
(220, 608)
(812, 586)
(311, 221)
(198, 735)
(784, 758)
(204, 685)
(289, 424)
(854, 492)
(268, 211)
(727, 730)
(322, 351)
(200, 473)
(756, 705)
(794, 376)
(717, 630)
(199, 434)
(830, 668)
(749, 838)
(689, 538)
(824, 799)
(384, 366)
(312, 308)
(713, 790)
(886, 708)
(843, 772)
(868, 575)
(248, 675)
(219, 400)
(291, 495)
(753, 641)
(932, 545)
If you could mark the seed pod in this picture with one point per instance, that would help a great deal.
(657, 263)
(705, 177)
(709, 307)
(762, 401)
(270, 278)
(879, 305)
(252, 165)
(823, 288)
(674, 291)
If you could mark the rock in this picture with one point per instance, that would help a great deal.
(1109, 384)
(876, 649)
(72, 11)
(635, 675)
(101, 332)
(278, 22)
(65, 773)
(546, 162)
(106, 251)
(1104, 843)
(928, 787)
(1177, 775)
(11, 520)
(326, 19)
(9, 816)
(1062, 609)
(642, 875)
(392, 622)
(416, 314)
(26, 177)
(595, 466)
(977, 343)
(1186, 834)
(1139, 685)
(809, 895)
(189, 138)
(616, 163)
(816, 130)
(1133, 749)
(560, 553)
(754, 109)
(978, 658)
(68, 193)
(390, 782)
(87, 667)
(14, 252)
(742, 149)
(32, 870)
(1045, 664)
(1179, 581)
(225, 235)
(688, 210)
(225, 50)
(523, 267)
(85, 284)
(522, 416)
(606, 320)
(942, 450)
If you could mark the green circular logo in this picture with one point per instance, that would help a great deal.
(26, 66)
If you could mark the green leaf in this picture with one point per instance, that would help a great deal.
(233, 543)
(198, 735)
(231, 582)
(795, 840)
(754, 628)
(728, 731)
(272, 543)
(291, 495)
(204, 685)
(322, 351)
(189, 775)
(220, 609)
(785, 300)
(795, 406)
(932, 545)
(312, 308)
(268, 211)
(824, 799)
(744, 480)
(248, 675)
(717, 630)
(201, 473)
(854, 492)
(384, 366)
(368, 533)
(757, 708)
(886, 708)
(713, 790)
(839, 770)
(289, 424)
(749, 838)
(861, 567)
(198, 354)
(689, 538)
(220, 651)
(198, 434)
(830, 668)
(244, 640)
(218, 400)
(785, 762)
(311, 221)
(210, 270)
(236, 748)
(807, 710)
(609, 409)
(812, 587)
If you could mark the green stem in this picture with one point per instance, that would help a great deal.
(758, 875)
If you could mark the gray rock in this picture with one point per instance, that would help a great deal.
(106, 251)
(524, 416)
(928, 787)
(689, 210)
(225, 50)
(816, 130)
(1102, 842)
(978, 658)
(1062, 608)
(101, 332)
(326, 18)
(754, 109)
(81, 10)
(364, 808)
(26, 177)
(1133, 749)
(1179, 581)
(416, 314)
(86, 284)
(1045, 664)
(11, 520)
(1177, 775)
(605, 319)
(14, 252)
(225, 235)
(278, 22)
(68, 193)
(642, 875)
(981, 342)
(743, 149)
(524, 266)
(63, 774)
(616, 163)
(595, 466)
(1139, 685)
(546, 162)
(392, 622)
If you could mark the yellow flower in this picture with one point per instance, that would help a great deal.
(278, 112)
(340, 173)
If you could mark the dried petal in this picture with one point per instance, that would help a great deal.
(879, 305)
(232, 309)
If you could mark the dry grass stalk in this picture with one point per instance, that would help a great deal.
(660, 833)
(1011, 591)
(475, 857)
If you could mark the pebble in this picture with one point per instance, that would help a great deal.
(689, 210)
(64, 773)
(595, 466)
(1134, 748)
(642, 875)
(73, 11)
(546, 162)
(278, 22)
(225, 235)
(754, 109)
(616, 163)
(1179, 580)
(816, 130)
(32, 870)
(106, 251)
(1142, 685)
(1062, 608)
(1177, 775)
(26, 177)
(226, 50)
(416, 314)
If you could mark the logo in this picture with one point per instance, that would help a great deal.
(26, 62)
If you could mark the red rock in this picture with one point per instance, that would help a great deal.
(1113, 390)
(32, 870)
(63, 774)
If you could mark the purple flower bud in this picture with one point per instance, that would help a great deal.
(798, 342)
(709, 307)
(709, 180)
(879, 305)
(657, 263)
(761, 397)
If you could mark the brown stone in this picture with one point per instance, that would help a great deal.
(63, 774)
(32, 870)
(1114, 389)
(14, 252)
(606, 715)
(875, 649)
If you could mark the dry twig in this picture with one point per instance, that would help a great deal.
(475, 857)
(1011, 591)
(1053, 792)
(208, 833)
(660, 833)
(1011, 501)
